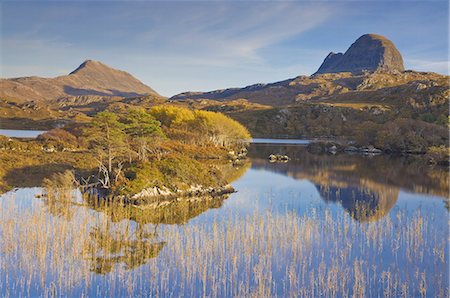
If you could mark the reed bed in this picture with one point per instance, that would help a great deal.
(264, 254)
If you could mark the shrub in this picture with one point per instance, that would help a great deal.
(171, 116)
(439, 155)
(60, 137)
(200, 127)
(411, 135)
(143, 176)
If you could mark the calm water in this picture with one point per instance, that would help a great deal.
(14, 133)
(318, 225)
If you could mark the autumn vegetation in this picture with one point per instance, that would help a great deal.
(392, 129)
(164, 146)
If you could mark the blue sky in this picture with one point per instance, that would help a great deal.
(199, 46)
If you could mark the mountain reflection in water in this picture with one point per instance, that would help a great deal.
(367, 187)
(286, 221)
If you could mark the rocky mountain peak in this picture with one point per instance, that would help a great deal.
(93, 66)
(104, 80)
(370, 52)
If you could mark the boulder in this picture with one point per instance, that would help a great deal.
(351, 149)
(372, 150)
(278, 158)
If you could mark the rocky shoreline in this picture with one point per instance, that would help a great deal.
(155, 197)
(336, 147)
(437, 155)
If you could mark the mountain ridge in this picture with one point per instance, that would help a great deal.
(90, 78)
(383, 86)
(371, 64)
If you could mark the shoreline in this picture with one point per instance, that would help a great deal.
(155, 197)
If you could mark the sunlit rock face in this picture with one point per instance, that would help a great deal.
(370, 52)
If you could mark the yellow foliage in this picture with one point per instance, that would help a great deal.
(172, 116)
(211, 127)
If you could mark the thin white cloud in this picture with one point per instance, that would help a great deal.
(171, 38)
(195, 45)
(233, 33)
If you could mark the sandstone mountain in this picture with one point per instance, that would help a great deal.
(370, 52)
(370, 71)
(91, 80)
(375, 87)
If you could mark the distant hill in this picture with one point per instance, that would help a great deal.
(91, 78)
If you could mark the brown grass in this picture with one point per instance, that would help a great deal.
(259, 255)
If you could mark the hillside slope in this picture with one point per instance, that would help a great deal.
(384, 87)
(91, 78)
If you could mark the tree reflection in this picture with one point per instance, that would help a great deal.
(138, 241)
(108, 247)
(178, 211)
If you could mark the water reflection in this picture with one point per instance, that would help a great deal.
(209, 247)
(178, 212)
(361, 204)
(15, 133)
(109, 247)
(367, 187)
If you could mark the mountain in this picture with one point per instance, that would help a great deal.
(369, 87)
(370, 52)
(363, 96)
(92, 79)
(371, 70)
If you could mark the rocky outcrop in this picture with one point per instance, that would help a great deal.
(156, 197)
(370, 52)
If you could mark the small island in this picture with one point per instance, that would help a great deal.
(136, 156)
